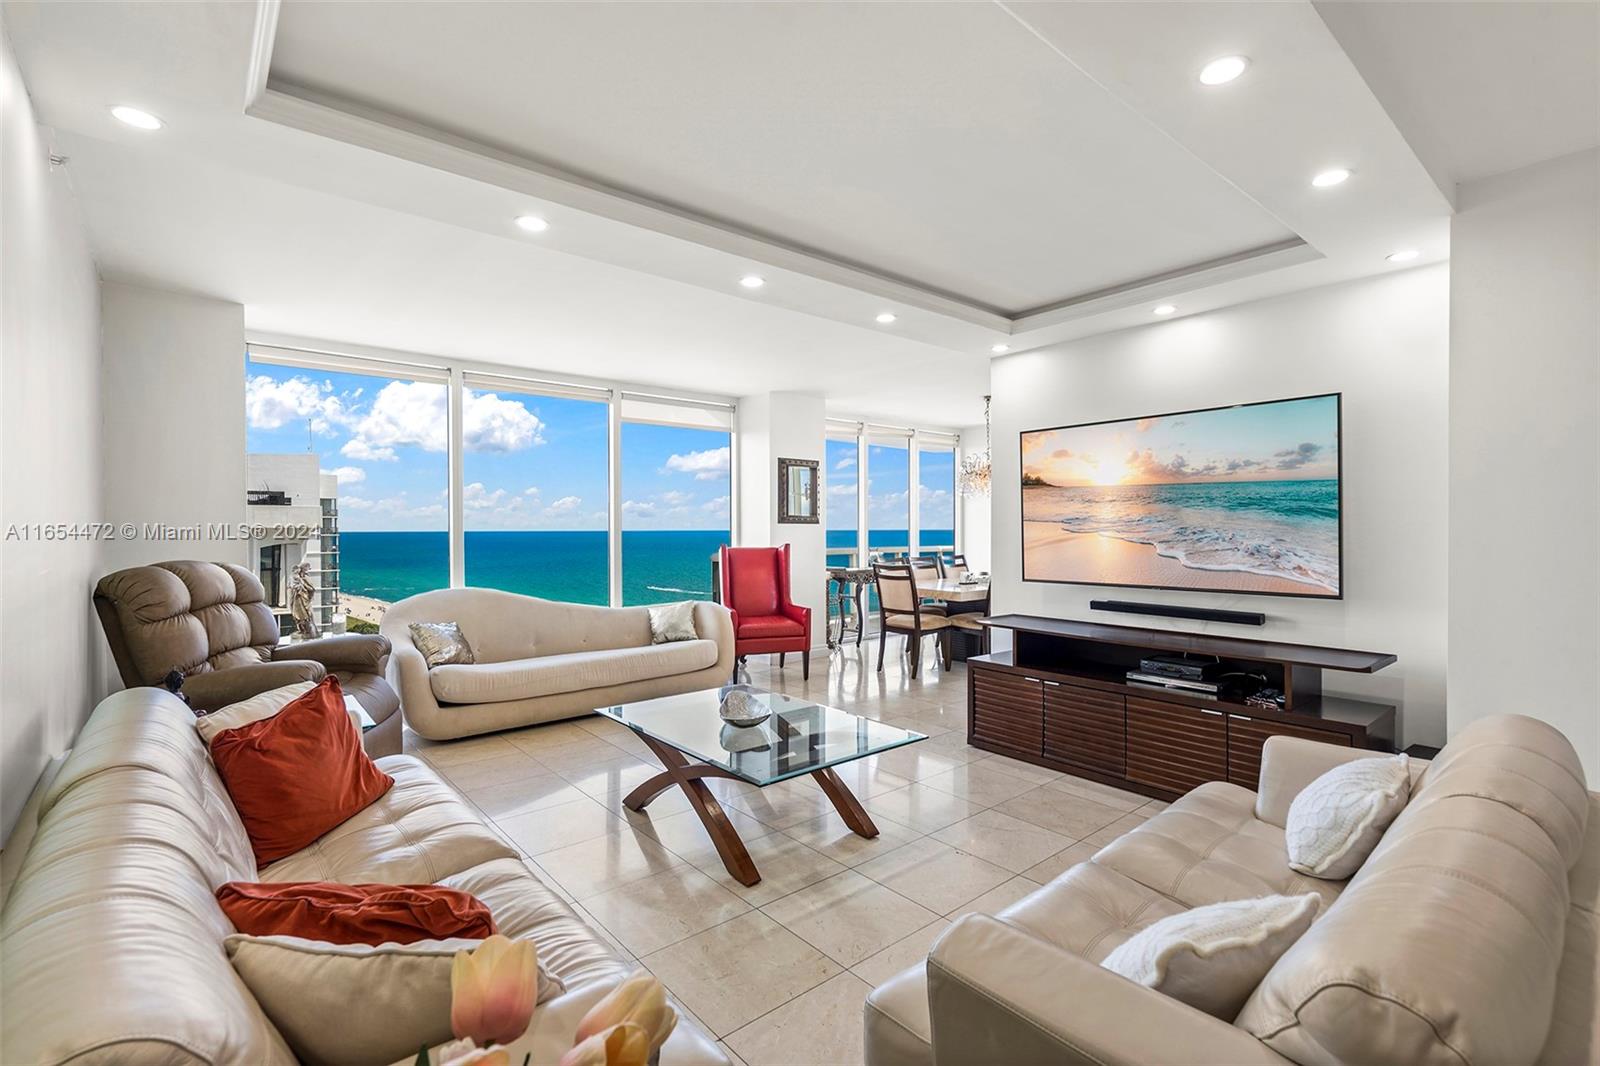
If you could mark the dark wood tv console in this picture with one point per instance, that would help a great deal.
(1060, 698)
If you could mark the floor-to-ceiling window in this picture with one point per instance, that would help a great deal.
(535, 469)
(677, 498)
(888, 493)
(377, 443)
(842, 459)
(408, 474)
(936, 495)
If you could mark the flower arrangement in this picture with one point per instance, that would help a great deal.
(493, 992)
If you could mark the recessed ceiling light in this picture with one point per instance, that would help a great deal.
(532, 224)
(1404, 255)
(752, 281)
(139, 120)
(1221, 71)
(1000, 349)
(885, 317)
(1166, 309)
(1329, 178)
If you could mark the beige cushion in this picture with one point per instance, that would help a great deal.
(1089, 910)
(549, 675)
(416, 833)
(672, 622)
(354, 1003)
(1336, 821)
(1213, 957)
(1208, 847)
(1445, 946)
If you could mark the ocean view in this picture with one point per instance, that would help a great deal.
(658, 566)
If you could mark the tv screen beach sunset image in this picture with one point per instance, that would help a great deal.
(1230, 499)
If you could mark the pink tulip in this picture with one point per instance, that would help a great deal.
(639, 1001)
(620, 1045)
(493, 990)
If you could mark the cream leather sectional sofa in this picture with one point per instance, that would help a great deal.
(1468, 937)
(112, 937)
(543, 660)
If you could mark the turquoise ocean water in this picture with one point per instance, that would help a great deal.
(658, 566)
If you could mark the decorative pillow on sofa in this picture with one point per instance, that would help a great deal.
(1336, 821)
(262, 705)
(441, 643)
(1213, 957)
(354, 1003)
(672, 622)
(296, 775)
(354, 914)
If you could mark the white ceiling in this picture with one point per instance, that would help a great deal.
(954, 163)
(940, 143)
(1479, 88)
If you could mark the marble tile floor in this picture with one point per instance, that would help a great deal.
(779, 971)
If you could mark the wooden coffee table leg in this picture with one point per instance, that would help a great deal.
(849, 808)
(679, 771)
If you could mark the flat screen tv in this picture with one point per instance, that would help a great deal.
(1225, 499)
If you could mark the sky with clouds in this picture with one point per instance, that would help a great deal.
(530, 462)
(1288, 440)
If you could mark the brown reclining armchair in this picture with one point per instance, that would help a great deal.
(211, 623)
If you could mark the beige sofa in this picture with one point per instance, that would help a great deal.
(113, 940)
(1468, 937)
(542, 660)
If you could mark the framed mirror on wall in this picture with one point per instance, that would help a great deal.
(797, 492)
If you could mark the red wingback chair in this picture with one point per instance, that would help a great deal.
(755, 588)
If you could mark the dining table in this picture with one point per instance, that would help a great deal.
(953, 590)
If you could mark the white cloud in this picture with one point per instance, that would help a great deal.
(842, 490)
(565, 505)
(356, 448)
(475, 497)
(640, 508)
(709, 465)
(717, 506)
(675, 497)
(271, 404)
(531, 490)
(417, 413)
(846, 462)
(348, 475)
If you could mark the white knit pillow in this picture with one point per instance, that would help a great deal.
(1213, 957)
(1336, 821)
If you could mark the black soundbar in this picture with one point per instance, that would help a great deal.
(1169, 610)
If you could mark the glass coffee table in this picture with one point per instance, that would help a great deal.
(800, 737)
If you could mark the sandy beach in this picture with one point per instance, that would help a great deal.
(363, 607)
(1055, 555)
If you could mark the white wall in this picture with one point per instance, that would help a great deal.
(174, 421)
(976, 511)
(773, 426)
(1524, 443)
(49, 452)
(1382, 342)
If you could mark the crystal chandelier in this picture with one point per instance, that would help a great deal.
(973, 477)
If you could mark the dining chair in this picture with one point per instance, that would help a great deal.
(900, 610)
(956, 568)
(955, 571)
(928, 568)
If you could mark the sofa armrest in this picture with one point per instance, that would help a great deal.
(716, 622)
(408, 676)
(361, 653)
(218, 688)
(996, 994)
(1289, 764)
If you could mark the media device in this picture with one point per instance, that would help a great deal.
(1170, 610)
(1180, 667)
(1224, 499)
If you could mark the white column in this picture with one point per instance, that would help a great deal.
(913, 495)
(614, 498)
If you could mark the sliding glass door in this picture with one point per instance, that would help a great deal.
(677, 503)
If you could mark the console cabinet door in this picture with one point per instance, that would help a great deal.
(1008, 711)
(1175, 746)
(1085, 727)
(1247, 736)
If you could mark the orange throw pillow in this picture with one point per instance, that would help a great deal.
(298, 774)
(355, 914)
